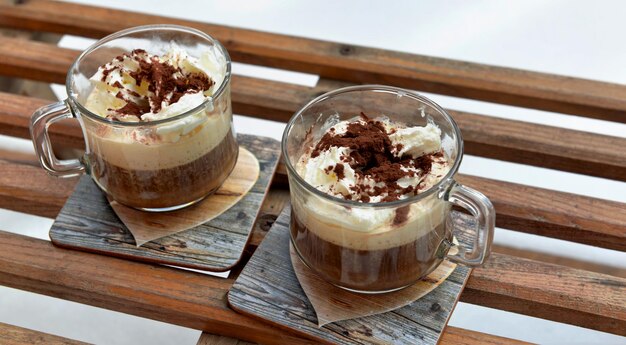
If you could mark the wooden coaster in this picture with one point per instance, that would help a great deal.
(149, 226)
(87, 222)
(268, 289)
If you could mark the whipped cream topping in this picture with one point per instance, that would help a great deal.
(141, 88)
(375, 160)
(138, 86)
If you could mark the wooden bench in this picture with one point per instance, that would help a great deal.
(544, 286)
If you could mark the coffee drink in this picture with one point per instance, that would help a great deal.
(151, 159)
(379, 163)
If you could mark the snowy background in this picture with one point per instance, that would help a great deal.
(562, 37)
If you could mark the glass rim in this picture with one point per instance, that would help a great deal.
(144, 28)
(375, 88)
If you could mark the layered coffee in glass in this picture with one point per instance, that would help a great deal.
(154, 104)
(371, 178)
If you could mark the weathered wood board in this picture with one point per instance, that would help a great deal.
(268, 289)
(88, 223)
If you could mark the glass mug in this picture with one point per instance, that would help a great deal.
(159, 165)
(341, 240)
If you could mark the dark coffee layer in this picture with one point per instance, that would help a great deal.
(369, 270)
(167, 187)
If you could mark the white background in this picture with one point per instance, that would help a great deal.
(575, 38)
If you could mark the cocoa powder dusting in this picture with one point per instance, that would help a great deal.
(166, 83)
(372, 155)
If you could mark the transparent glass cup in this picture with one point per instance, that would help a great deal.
(154, 166)
(366, 247)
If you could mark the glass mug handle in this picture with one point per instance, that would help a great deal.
(482, 209)
(40, 121)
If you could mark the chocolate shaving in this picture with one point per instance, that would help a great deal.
(132, 108)
(106, 72)
(339, 171)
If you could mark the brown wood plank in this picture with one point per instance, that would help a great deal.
(557, 259)
(517, 141)
(23, 86)
(550, 292)
(13, 335)
(460, 336)
(39, 61)
(348, 62)
(27, 188)
(12, 156)
(15, 112)
(451, 336)
(157, 292)
(198, 301)
(212, 339)
(566, 216)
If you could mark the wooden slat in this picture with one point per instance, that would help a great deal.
(545, 212)
(13, 335)
(15, 112)
(198, 301)
(451, 335)
(27, 188)
(348, 62)
(559, 259)
(166, 294)
(460, 336)
(18, 157)
(21, 60)
(516, 141)
(212, 339)
(550, 292)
